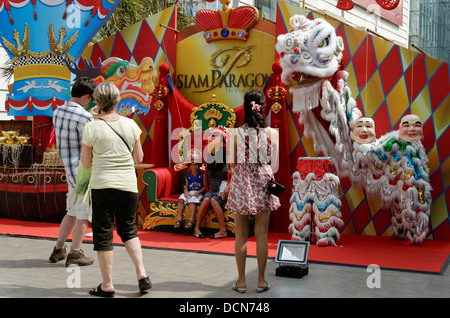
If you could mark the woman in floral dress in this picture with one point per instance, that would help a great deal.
(252, 142)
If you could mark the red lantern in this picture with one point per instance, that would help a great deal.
(345, 4)
(388, 4)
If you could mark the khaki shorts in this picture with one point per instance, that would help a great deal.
(75, 206)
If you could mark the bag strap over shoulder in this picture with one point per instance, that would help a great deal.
(117, 134)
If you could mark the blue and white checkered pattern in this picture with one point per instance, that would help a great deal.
(68, 121)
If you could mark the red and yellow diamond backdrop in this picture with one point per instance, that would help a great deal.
(386, 80)
(144, 39)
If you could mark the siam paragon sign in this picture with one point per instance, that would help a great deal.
(229, 52)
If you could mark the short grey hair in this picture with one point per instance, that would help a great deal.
(106, 95)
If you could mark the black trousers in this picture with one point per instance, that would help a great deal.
(111, 206)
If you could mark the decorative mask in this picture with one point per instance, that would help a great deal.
(364, 130)
(411, 128)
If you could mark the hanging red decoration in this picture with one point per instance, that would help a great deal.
(345, 4)
(388, 4)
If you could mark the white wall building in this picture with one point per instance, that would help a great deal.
(3, 86)
(366, 15)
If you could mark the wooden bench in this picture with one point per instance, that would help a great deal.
(164, 184)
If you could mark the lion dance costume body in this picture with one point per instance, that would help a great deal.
(391, 168)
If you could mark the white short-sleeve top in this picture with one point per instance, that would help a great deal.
(112, 161)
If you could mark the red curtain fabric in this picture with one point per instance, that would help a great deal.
(160, 155)
(43, 135)
(279, 222)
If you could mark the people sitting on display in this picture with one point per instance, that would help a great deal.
(193, 192)
(216, 173)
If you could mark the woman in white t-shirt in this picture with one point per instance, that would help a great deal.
(111, 146)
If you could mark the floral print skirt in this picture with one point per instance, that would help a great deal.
(248, 190)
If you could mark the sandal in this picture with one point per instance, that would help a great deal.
(199, 235)
(263, 289)
(189, 225)
(178, 224)
(99, 292)
(238, 289)
(213, 236)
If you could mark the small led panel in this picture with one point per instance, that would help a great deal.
(292, 252)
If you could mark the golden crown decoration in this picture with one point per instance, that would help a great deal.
(213, 113)
(228, 23)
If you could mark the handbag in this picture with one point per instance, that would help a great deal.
(83, 178)
(274, 187)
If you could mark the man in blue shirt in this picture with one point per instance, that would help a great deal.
(68, 122)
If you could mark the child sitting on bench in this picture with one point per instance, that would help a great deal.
(192, 195)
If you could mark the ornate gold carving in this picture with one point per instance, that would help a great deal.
(213, 114)
(22, 48)
(61, 48)
(42, 70)
(159, 211)
(160, 92)
(276, 94)
(276, 107)
(159, 104)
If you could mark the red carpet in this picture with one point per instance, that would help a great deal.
(356, 250)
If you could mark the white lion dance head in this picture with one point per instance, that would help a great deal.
(309, 54)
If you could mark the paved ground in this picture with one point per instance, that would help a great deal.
(191, 276)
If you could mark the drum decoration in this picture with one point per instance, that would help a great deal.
(40, 37)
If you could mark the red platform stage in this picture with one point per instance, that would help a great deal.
(352, 250)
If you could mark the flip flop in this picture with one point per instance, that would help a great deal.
(189, 225)
(99, 292)
(200, 236)
(213, 236)
(263, 289)
(178, 224)
(238, 289)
